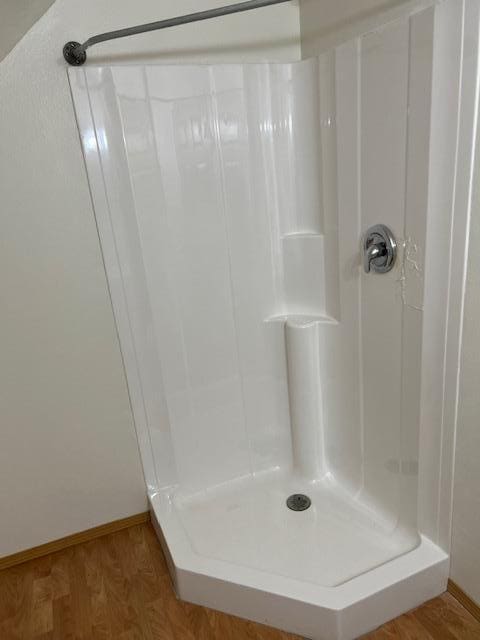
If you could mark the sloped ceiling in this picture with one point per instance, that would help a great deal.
(16, 18)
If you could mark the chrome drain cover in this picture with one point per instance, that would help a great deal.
(298, 502)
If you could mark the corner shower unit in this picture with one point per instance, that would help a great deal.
(276, 340)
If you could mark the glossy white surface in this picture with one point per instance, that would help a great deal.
(305, 400)
(332, 542)
(261, 359)
(311, 610)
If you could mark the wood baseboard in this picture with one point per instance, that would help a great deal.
(75, 538)
(465, 600)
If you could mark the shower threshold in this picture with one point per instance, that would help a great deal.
(238, 548)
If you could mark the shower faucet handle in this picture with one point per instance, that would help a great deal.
(379, 249)
(372, 255)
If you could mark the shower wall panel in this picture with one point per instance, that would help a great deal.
(371, 362)
(238, 196)
(222, 166)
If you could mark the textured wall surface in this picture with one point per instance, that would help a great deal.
(68, 456)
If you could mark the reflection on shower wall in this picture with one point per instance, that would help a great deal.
(238, 196)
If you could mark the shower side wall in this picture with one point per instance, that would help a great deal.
(371, 359)
(441, 67)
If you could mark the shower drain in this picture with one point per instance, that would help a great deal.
(298, 502)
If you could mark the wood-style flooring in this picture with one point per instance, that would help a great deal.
(117, 588)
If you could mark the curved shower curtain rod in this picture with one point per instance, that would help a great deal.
(75, 52)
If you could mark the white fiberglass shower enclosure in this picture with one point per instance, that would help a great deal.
(262, 360)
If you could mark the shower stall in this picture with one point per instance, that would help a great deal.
(285, 248)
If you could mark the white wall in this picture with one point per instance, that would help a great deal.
(68, 452)
(465, 570)
(17, 16)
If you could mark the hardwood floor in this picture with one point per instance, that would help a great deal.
(117, 588)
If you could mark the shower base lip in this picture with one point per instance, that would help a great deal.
(321, 613)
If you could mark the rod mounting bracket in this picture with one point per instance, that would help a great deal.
(74, 54)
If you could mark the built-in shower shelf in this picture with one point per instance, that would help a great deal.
(299, 235)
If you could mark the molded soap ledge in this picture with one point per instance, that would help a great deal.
(302, 320)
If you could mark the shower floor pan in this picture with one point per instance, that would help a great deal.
(331, 572)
